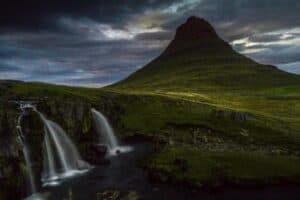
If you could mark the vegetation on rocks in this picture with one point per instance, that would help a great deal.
(216, 168)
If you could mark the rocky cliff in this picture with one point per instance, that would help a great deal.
(73, 114)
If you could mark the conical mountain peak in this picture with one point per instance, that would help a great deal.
(195, 28)
(195, 33)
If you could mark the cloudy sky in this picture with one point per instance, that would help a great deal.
(98, 42)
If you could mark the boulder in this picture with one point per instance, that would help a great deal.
(100, 149)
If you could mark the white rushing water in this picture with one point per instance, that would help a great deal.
(106, 134)
(26, 152)
(61, 157)
(49, 163)
(28, 161)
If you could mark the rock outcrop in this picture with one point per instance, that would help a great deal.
(72, 114)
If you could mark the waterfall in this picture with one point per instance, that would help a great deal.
(26, 153)
(49, 164)
(61, 157)
(106, 133)
(103, 127)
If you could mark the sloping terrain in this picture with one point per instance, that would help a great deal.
(239, 105)
(198, 60)
(200, 67)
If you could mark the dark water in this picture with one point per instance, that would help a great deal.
(123, 175)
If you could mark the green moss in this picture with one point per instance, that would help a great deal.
(23, 168)
(236, 167)
(86, 123)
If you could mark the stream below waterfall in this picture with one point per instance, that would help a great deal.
(123, 175)
(62, 161)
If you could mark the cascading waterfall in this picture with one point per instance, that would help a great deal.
(49, 165)
(106, 134)
(105, 130)
(61, 157)
(26, 153)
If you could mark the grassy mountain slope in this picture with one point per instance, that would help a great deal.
(198, 60)
(200, 68)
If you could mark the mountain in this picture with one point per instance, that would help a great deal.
(221, 99)
(197, 58)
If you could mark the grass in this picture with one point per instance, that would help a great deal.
(207, 71)
(198, 84)
(224, 80)
(272, 121)
(215, 168)
(183, 112)
(43, 90)
(152, 115)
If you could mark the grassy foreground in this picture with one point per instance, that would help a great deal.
(213, 124)
(204, 168)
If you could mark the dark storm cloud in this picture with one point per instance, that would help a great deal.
(8, 68)
(235, 19)
(278, 54)
(73, 60)
(97, 42)
(266, 38)
(239, 18)
(160, 35)
(37, 14)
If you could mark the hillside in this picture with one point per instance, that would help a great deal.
(238, 108)
(199, 66)
(198, 59)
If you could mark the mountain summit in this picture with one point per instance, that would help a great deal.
(198, 59)
(195, 32)
(195, 28)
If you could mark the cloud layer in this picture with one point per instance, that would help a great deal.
(97, 42)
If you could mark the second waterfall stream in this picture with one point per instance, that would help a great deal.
(106, 134)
